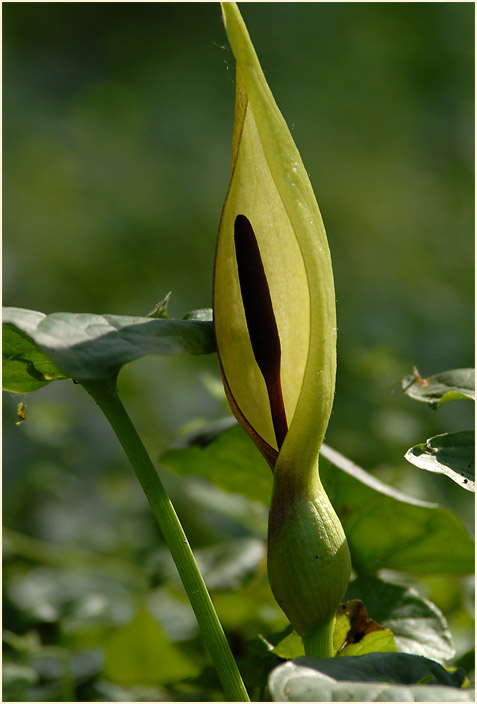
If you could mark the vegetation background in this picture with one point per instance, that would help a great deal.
(117, 133)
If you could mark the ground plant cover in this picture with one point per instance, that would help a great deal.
(233, 504)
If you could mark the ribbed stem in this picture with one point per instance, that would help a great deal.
(104, 393)
(308, 557)
(319, 644)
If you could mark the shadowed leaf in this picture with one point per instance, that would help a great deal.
(424, 539)
(39, 348)
(365, 679)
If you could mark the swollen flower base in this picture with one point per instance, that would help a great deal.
(308, 558)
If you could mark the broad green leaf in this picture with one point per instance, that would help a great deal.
(418, 626)
(17, 680)
(204, 314)
(440, 388)
(140, 653)
(39, 348)
(357, 634)
(342, 627)
(385, 528)
(375, 642)
(228, 459)
(452, 454)
(364, 679)
(228, 565)
(401, 668)
(378, 641)
(410, 624)
(388, 530)
(290, 647)
(67, 594)
(24, 546)
(274, 301)
(25, 367)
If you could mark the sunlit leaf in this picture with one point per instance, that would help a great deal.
(350, 638)
(407, 623)
(388, 529)
(361, 633)
(418, 626)
(452, 454)
(381, 641)
(440, 388)
(290, 647)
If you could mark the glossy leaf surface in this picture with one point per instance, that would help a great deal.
(440, 388)
(418, 626)
(452, 454)
(422, 538)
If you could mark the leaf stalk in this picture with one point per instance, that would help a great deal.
(104, 393)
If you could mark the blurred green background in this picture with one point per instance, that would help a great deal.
(116, 144)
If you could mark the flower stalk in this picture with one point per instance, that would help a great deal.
(275, 326)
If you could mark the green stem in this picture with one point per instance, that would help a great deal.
(105, 394)
(319, 644)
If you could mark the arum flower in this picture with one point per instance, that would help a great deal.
(275, 326)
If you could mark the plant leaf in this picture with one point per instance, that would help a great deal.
(422, 538)
(25, 367)
(160, 310)
(418, 626)
(140, 653)
(364, 679)
(290, 647)
(407, 623)
(208, 451)
(452, 454)
(388, 530)
(352, 636)
(39, 348)
(227, 565)
(381, 641)
(363, 634)
(440, 388)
